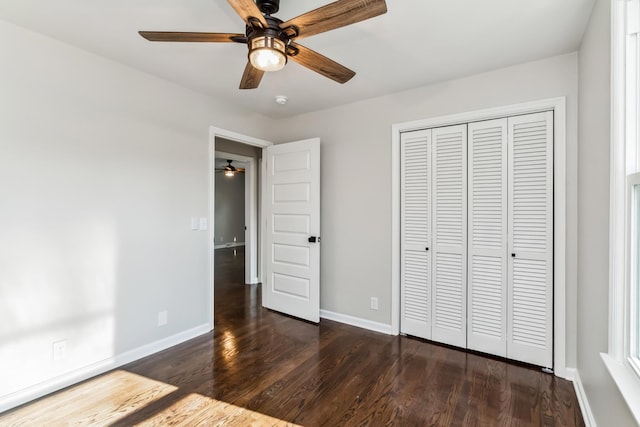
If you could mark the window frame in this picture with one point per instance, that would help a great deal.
(632, 350)
(621, 360)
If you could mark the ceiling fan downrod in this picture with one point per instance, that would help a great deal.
(268, 7)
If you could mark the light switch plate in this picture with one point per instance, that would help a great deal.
(204, 224)
(194, 223)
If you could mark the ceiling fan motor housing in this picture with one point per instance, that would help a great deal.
(268, 7)
(273, 30)
(271, 38)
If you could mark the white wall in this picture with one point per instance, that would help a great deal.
(608, 407)
(229, 208)
(356, 176)
(101, 169)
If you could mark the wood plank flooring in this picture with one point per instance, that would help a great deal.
(260, 368)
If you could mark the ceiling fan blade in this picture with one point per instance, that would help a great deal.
(247, 9)
(251, 77)
(321, 64)
(335, 15)
(176, 36)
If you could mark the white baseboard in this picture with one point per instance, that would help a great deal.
(54, 384)
(228, 245)
(587, 415)
(356, 321)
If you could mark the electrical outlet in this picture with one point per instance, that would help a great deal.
(59, 350)
(374, 303)
(163, 318)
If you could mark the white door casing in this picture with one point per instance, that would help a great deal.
(292, 220)
(214, 133)
(530, 266)
(449, 219)
(487, 198)
(561, 217)
(415, 187)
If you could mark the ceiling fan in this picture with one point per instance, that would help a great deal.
(271, 40)
(229, 169)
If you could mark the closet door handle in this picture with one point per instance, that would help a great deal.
(426, 249)
(513, 255)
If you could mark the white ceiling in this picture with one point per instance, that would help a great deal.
(417, 42)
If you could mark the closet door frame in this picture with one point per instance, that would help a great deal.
(558, 106)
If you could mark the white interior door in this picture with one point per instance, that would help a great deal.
(449, 213)
(415, 264)
(292, 229)
(487, 290)
(530, 315)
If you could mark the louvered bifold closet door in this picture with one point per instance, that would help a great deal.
(487, 274)
(449, 213)
(530, 269)
(416, 233)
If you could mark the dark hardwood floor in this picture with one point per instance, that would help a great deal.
(262, 368)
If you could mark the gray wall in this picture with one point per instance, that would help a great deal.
(356, 176)
(233, 147)
(229, 215)
(604, 398)
(101, 170)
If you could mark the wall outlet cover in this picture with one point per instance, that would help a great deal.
(59, 350)
(163, 318)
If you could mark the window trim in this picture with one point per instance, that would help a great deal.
(617, 358)
(632, 348)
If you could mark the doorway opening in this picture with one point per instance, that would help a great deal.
(234, 209)
(248, 150)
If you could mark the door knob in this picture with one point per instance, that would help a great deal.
(313, 239)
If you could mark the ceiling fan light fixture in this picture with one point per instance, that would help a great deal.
(267, 53)
(229, 173)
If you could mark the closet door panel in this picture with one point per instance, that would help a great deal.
(487, 287)
(415, 227)
(449, 213)
(530, 267)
